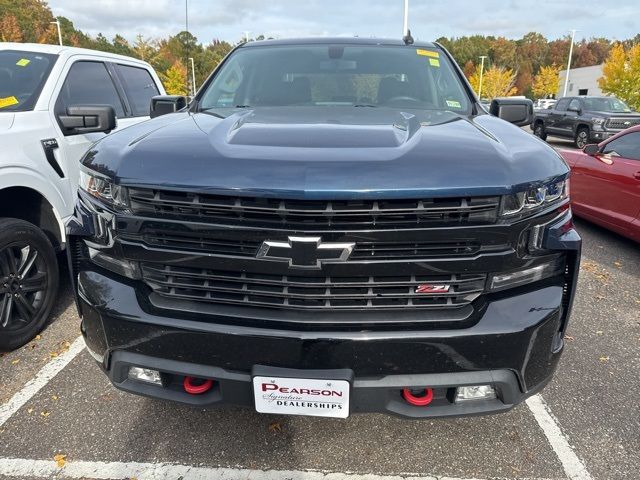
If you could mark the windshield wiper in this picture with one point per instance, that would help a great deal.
(242, 106)
(365, 105)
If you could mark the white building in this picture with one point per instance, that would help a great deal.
(582, 81)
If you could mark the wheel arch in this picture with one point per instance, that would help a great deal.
(582, 126)
(26, 203)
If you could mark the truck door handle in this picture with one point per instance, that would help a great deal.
(636, 175)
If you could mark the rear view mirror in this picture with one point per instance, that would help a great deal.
(518, 111)
(88, 119)
(591, 149)
(163, 104)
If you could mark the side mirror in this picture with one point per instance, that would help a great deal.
(518, 111)
(592, 149)
(88, 119)
(163, 104)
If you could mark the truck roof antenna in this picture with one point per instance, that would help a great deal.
(406, 33)
(408, 39)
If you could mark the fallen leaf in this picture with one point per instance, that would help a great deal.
(45, 414)
(599, 332)
(30, 410)
(54, 397)
(38, 337)
(604, 359)
(15, 362)
(568, 337)
(53, 354)
(617, 264)
(60, 459)
(275, 427)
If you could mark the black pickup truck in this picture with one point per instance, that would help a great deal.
(584, 119)
(331, 226)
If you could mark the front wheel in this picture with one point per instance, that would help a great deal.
(538, 131)
(28, 281)
(582, 138)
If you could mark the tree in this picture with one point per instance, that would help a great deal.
(175, 79)
(143, 48)
(10, 30)
(621, 74)
(545, 83)
(496, 82)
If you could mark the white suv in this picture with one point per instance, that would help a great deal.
(55, 102)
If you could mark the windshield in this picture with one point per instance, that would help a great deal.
(606, 105)
(22, 76)
(337, 75)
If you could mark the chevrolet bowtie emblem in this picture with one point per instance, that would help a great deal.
(305, 252)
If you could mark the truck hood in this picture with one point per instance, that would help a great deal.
(339, 152)
(614, 114)
(6, 120)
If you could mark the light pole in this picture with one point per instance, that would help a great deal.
(482, 57)
(57, 22)
(193, 76)
(566, 77)
(405, 25)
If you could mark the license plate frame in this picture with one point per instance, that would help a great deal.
(299, 395)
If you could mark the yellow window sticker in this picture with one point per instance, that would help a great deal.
(453, 104)
(23, 62)
(428, 53)
(8, 101)
(434, 62)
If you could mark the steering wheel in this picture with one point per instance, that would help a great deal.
(403, 98)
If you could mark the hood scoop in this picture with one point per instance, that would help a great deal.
(299, 127)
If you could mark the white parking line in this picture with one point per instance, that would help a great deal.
(43, 377)
(573, 466)
(18, 467)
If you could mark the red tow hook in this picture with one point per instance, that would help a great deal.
(196, 386)
(421, 401)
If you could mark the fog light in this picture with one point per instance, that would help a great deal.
(475, 392)
(145, 375)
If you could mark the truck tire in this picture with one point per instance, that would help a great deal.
(539, 131)
(28, 281)
(582, 137)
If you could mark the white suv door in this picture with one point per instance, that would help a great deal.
(127, 88)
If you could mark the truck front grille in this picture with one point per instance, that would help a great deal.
(312, 292)
(314, 215)
(237, 247)
(622, 123)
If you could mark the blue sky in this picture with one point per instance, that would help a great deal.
(429, 19)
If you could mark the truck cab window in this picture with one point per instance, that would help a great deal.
(89, 83)
(140, 87)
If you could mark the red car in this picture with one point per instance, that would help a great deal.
(605, 182)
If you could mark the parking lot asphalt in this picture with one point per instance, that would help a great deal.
(585, 424)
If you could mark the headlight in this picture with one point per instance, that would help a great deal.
(598, 122)
(531, 201)
(104, 189)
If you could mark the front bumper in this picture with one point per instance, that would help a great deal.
(515, 347)
(512, 341)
